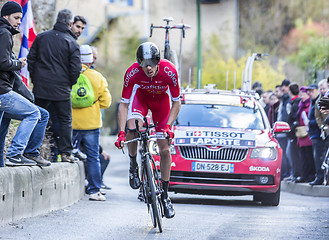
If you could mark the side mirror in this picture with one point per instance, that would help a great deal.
(281, 127)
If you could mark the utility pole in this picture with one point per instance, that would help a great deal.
(199, 57)
(105, 34)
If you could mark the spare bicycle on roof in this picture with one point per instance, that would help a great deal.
(171, 55)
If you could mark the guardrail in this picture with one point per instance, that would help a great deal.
(31, 191)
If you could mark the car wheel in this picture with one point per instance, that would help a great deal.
(271, 199)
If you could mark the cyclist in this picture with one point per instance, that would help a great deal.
(148, 84)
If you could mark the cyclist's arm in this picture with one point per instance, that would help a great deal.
(173, 112)
(122, 116)
(129, 82)
(175, 95)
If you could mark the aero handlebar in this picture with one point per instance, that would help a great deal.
(183, 27)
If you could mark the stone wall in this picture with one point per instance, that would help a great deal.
(31, 191)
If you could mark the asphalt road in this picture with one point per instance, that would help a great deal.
(122, 216)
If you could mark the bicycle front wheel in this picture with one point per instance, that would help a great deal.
(155, 210)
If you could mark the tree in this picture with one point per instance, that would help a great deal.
(216, 67)
(263, 23)
(307, 46)
(301, 34)
(312, 56)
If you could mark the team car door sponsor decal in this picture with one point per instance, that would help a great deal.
(215, 137)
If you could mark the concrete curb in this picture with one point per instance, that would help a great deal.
(31, 191)
(305, 189)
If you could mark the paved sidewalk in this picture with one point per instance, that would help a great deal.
(305, 189)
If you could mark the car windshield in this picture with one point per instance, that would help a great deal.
(224, 116)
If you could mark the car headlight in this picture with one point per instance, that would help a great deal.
(264, 153)
(154, 148)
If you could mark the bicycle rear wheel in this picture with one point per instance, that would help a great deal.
(155, 209)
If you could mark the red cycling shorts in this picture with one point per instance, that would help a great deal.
(158, 105)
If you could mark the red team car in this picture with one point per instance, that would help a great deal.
(224, 145)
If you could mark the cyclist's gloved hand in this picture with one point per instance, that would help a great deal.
(121, 138)
(169, 132)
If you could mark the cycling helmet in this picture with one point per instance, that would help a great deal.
(148, 54)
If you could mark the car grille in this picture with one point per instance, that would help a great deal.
(218, 178)
(223, 153)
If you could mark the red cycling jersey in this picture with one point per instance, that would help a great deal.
(144, 93)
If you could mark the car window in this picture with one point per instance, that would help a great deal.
(212, 115)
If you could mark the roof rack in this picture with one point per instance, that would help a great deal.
(210, 89)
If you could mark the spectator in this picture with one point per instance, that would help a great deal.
(95, 55)
(105, 159)
(87, 123)
(32, 149)
(278, 92)
(273, 109)
(76, 151)
(265, 97)
(305, 143)
(78, 25)
(314, 132)
(54, 65)
(77, 28)
(258, 87)
(283, 114)
(327, 92)
(282, 137)
(11, 102)
(319, 116)
(325, 98)
(323, 87)
(104, 156)
(293, 151)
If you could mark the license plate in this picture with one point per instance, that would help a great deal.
(213, 167)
